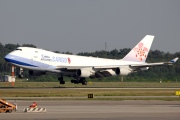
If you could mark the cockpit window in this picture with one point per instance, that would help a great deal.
(19, 49)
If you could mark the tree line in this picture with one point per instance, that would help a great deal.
(165, 73)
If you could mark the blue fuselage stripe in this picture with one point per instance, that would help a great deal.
(19, 63)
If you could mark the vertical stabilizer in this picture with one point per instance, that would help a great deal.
(140, 52)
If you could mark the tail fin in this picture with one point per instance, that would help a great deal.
(140, 52)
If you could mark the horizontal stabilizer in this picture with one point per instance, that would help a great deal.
(174, 60)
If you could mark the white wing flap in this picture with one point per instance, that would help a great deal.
(155, 64)
(148, 65)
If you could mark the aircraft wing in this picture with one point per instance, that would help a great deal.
(70, 67)
(115, 66)
(80, 67)
(155, 64)
(109, 70)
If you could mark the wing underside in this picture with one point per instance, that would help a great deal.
(109, 70)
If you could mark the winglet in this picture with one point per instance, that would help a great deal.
(174, 60)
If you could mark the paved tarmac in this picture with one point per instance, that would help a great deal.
(98, 110)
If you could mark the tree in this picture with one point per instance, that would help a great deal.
(28, 45)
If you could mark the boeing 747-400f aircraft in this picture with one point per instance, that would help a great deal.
(39, 61)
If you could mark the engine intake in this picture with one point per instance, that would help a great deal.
(122, 71)
(83, 73)
(36, 73)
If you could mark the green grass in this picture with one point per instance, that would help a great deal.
(50, 92)
(94, 84)
(54, 89)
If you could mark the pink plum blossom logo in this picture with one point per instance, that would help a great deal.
(69, 60)
(141, 51)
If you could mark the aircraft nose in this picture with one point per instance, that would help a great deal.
(8, 58)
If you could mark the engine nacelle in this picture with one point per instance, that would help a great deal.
(83, 73)
(123, 71)
(36, 73)
(144, 68)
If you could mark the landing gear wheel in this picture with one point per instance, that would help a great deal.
(84, 82)
(10, 111)
(79, 80)
(61, 81)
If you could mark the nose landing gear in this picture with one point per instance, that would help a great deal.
(61, 81)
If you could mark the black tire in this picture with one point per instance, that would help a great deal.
(85, 83)
(62, 82)
(3, 106)
(76, 82)
(10, 111)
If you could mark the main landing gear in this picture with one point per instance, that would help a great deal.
(79, 80)
(75, 81)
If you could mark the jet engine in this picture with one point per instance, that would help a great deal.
(36, 73)
(83, 72)
(123, 71)
(144, 68)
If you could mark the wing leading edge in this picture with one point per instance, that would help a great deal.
(156, 64)
(115, 66)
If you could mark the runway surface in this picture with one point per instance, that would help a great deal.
(101, 110)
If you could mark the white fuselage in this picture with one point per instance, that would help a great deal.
(39, 59)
